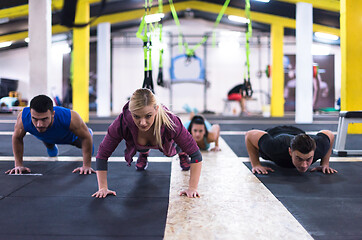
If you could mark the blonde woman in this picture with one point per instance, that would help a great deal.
(145, 124)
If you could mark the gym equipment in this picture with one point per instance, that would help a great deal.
(196, 64)
(190, 56)
(160, 62)
(345, 118)
(147, 47)
(248, 91)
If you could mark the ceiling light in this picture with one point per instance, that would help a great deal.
(5, 44)
(326, 36)
(264, 1)
(154, 17)
(238, 19)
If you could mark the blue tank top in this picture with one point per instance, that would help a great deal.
(58, 133)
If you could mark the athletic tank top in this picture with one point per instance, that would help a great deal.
(58, 133)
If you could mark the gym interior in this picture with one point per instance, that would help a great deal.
(298, 61)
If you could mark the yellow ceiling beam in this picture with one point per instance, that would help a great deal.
(23, 10)
(182, 6)
(14, 37)
(257, 16)
(15, 12)
(22, 35)
(329, 5)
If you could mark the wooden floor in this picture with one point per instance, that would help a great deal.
(234, 204)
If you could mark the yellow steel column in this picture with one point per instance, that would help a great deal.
(81, 62)
(277, 70)
(351, 52)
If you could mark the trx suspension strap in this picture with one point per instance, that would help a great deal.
(248, 91)
(177, 22)
(190, 52)
(147, 45)
(218, 19)
(160, 62)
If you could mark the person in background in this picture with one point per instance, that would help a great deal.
(238, 93)
(204, 133)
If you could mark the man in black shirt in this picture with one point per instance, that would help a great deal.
(289, 147)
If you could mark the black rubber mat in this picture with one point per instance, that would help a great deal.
(7, 126)
(58, 203)
(327, 206)
(34, 147)
(237, 141)
(321, 117)
(10, 184)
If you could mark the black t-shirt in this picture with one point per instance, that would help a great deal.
(275, 147)
(236, 89)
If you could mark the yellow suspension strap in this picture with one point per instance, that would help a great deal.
(248, 91)
(147, 47)
(160, 62)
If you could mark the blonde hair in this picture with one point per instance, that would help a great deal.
(144, 97)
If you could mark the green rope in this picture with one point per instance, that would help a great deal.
(160, 10)
(190, 52)
(147, 46)
(247, 85)
(177, 22)
(218, 19)
(248, 36)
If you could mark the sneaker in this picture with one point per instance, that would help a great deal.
(53, 152)
(184, 161)
(142, 162)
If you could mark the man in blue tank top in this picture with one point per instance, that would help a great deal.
(51, 125)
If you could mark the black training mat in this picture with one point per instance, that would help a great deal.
(35, 147)
(327, 206)
(237, 143)
(260, 126)
(58, 203)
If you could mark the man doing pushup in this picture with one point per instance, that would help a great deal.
(289, 147)
(51, 125)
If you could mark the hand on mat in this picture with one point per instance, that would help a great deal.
(18, 170)
(215, 149)
(261, 169)
(84, 170)
(102, 193)
(324, 169)
(190, 193)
